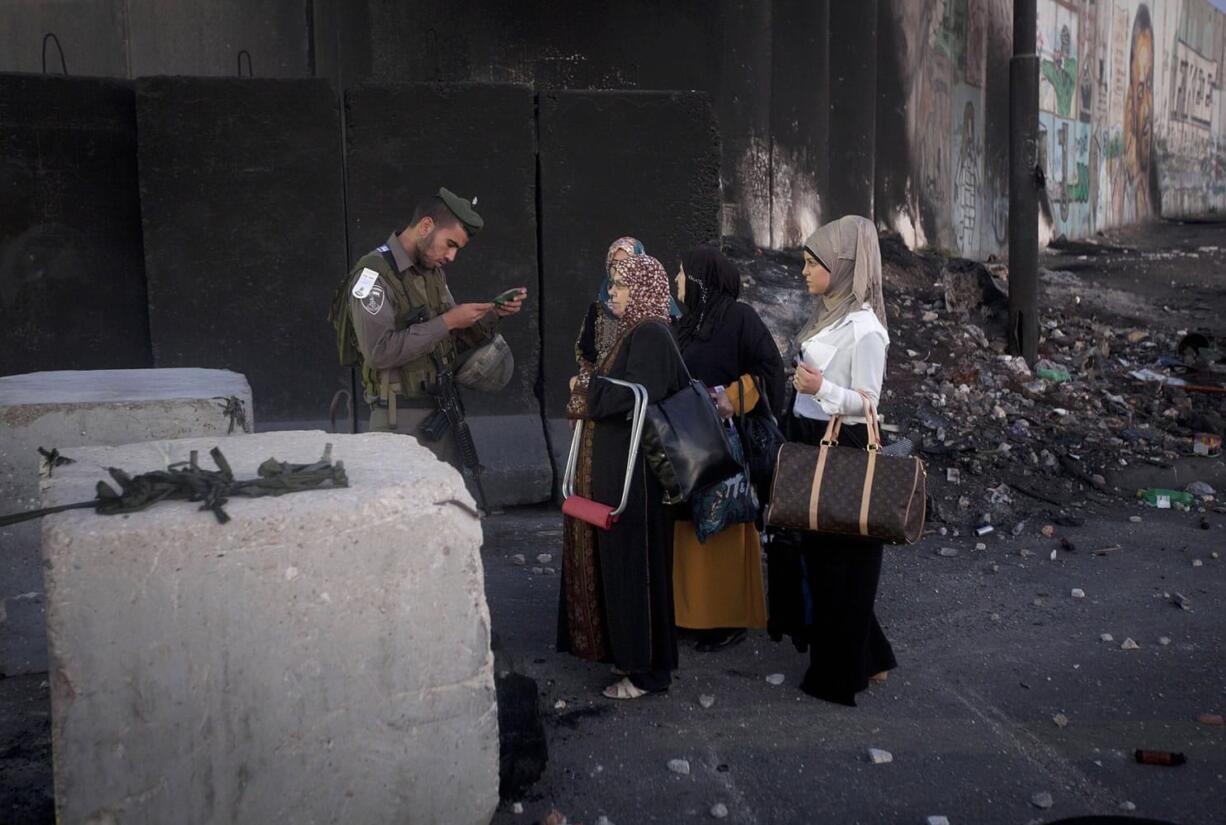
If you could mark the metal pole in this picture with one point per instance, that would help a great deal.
(1024, 181)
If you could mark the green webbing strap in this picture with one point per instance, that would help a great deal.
(187, 481)
(235, 410)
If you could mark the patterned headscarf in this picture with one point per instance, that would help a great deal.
(848, 248)
(632, 247)
(649, 293)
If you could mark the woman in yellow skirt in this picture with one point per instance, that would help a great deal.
(717, 584)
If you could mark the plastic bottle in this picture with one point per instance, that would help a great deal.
(1159, 758)
(1164, 499)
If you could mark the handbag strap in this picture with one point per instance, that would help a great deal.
(676, 349)
(763, 400)
(831, 438)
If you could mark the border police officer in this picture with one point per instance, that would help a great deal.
(405, 323)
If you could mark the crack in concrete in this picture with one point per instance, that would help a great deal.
(1045, 758)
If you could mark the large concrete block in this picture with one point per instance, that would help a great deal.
(70, 409)
(72, 278)
(660, 184)
(242, 200)
(323, 657)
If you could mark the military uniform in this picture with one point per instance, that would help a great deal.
(396, 310)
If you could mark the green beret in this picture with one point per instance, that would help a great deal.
(463, 210)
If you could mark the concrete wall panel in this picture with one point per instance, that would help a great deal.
(659, 182)
(241, 195)
(72, 279)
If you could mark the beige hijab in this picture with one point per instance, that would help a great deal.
(848, 248)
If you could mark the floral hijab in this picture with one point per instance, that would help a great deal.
(650, 296)
(632, 247)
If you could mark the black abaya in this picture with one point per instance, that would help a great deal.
(834, 617)
(635, 556)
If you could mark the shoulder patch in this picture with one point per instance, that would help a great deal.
(372, 302)
(365, 282)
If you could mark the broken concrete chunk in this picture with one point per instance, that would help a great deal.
(880, 757)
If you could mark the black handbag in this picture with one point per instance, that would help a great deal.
(761, 438)
(687, 447)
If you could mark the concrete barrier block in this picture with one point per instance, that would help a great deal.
(69, 409)
(323, 657)
(515, 457)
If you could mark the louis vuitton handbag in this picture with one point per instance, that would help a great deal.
(849, 491)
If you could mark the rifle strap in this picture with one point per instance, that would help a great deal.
(388, 392)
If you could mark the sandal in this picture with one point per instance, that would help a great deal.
(625, 689)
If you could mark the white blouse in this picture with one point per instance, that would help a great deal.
(858, 363)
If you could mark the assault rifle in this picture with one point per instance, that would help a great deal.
(449, 403)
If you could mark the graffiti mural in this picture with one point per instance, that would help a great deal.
(1057, 47)
(1131, 195)
(968, 173)
(1131, 116)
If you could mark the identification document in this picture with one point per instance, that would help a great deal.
(817, 354)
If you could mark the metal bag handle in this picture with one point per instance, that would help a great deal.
(637, 418)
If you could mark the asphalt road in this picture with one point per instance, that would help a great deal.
(992, 646)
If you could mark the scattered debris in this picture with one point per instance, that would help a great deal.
(1211, 719)
(1106, 637)
(1128, 807)
(517, 808)
(1164, 499)
(560, 704)
(519, 559)
(719, 810)
(681, 766)
(1167, 758)
(938, 820)
(544, 558)
(1164, 640)
(1200, 488)
(706, 700)
(880, 757)
(1078, 593)
(776, 679)
(1061, 720)
(603, 820)
(1129, 644)
(948, 552)
(1042, 800)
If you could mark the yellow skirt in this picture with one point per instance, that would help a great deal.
(718, 584)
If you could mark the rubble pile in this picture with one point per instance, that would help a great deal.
(1003, 440)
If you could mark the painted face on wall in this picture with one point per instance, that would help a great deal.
(1141, 93)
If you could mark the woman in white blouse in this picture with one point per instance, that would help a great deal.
(842, 360)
